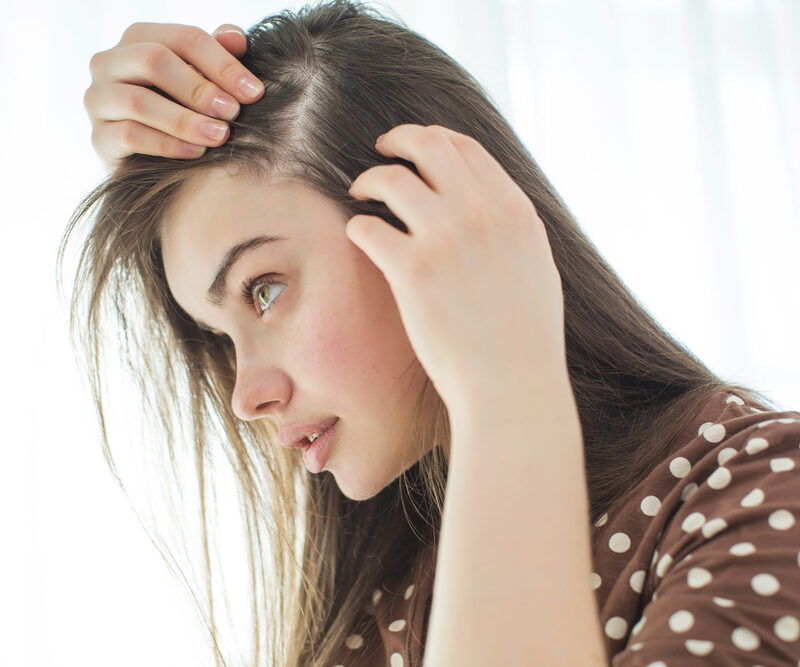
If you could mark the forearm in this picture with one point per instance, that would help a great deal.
(514, 562)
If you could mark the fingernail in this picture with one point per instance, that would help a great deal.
(224, 108)
(214, 130)
(250, 87)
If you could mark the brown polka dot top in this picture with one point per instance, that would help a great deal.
(698, 565)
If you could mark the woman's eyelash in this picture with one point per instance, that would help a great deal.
(250, 286)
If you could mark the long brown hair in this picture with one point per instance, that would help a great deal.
(337, 75)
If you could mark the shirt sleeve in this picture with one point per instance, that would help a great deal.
(726, 576)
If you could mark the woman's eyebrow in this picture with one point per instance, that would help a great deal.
(217, 293)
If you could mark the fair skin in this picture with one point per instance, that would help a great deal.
(332, 343)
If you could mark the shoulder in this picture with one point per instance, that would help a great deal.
(690, 560)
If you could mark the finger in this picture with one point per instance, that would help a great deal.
(197, 47)
(434, 156)
(150, 63)
(122, 101)
(116, 140)
(483, 165)
(403, 192)
(232, 38)
(383, 244)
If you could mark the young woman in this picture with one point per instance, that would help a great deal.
(505, 459)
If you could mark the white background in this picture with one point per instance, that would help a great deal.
(670, 127)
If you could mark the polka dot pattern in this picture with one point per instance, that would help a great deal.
(681, 562)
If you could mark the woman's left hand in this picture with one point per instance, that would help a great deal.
(474, 279)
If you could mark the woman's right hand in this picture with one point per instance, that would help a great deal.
(197, 70)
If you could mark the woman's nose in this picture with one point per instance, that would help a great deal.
(260, 391)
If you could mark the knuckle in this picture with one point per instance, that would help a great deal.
(395, 174)
(192, 36)
(134, 103)
(198, 93)
(184, 124)
(87, 98)
(126, 134)
(153, 58)
(131, 31)
(165, 145)
(94, 62)
(231, 72)
(433, 136)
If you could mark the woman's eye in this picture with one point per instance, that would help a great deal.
(262, 292)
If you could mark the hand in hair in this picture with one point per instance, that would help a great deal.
(156, 90)
(474, 279)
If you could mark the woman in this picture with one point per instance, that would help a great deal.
(609, 499)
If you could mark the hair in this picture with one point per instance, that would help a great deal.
(336, 76)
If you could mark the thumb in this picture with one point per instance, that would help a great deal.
(232, 38)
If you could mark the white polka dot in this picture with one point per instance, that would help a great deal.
(685, 558)
(654, 558)
(755, 409)
(619, 542)
(698, 577)
(679, 467)
(637, 580)
(354, 641)
(657, 663)
(711, 528)
(722, 602)
(787, 628)
(725, 454)
(755, 445)
(602, 520)
(766, 422)
(693, 522)
(753, 499)
(681, 621)
(688, 491)
(765, 584)
(781, 464)
(733, 398)
(699, 647)
(376, 595)
(636, 646)
(663, 565)
(396, 626)
(742, 549)
(396, 660)
(409, 591)
(703, 427)
(745, 639)
(650, 505)
(637, 628)
(788, 420)
(781, 520)
(714, 433)
(720, 478)
(616, 627)
(597, 581)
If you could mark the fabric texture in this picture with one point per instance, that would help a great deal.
(698, 564)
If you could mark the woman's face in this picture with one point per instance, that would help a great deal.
(331, 344)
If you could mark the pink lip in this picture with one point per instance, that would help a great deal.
(317, 453)
(295, 436)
